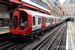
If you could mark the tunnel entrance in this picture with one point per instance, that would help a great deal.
(69, 19)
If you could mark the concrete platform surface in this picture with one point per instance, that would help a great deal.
(70, 41)
(4, 30)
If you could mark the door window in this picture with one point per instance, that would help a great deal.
(33, 20)
(39, 20)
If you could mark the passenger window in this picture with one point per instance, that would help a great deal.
(46, 20)
(53, 20)
(33, 20)
(49, 20)
(39, 20)
(43, 20)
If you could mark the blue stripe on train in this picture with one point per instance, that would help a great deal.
(47, 26)
(53, 25)
(56, 23)
(38, 29)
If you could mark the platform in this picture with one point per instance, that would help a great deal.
(4, 30)
(4, 27)
(70, 41)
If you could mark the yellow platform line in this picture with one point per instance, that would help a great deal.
(72, 27)
(71, 38)
(4, 31)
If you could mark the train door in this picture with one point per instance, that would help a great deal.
(57, 21)
(38, 22)
(51, 22)
(33, 23)
(43, 23)
(47, 22)
(15, 20)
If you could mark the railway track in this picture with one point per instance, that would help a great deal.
(13, 44)
(46, 43)
(62, 35)
(57, 43)
(22, 46)
(3, 37)
(16, 44)
(62, 42)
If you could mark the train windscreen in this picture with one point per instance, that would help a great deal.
(23, 20)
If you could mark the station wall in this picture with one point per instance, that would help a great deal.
(3, 11)
(4, 15)
(39, 2)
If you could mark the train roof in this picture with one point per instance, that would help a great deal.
(34, 13)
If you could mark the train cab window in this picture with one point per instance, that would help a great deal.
(33, 20)
(11, 17)
(23, 20)
(39, 20)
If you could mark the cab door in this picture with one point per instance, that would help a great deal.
(15, 22)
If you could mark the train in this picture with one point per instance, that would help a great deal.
(27, 24)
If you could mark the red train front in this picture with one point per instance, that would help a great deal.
(20, 22)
